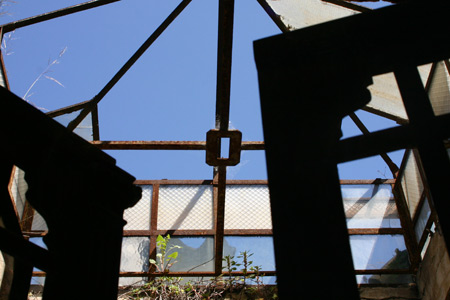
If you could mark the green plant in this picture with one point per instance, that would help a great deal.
(166, 256)
(247, 285)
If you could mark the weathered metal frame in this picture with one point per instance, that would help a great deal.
(226, 8)
(153, 232)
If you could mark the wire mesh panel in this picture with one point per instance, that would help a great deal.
(439, 90)
(411, 182)
(134, 258)
(38, 222)
(422, 220)
(185, 207)
(370, 206)
(18, 188)
(247, 207)
(379, 252)
(195, 255)
(135, 254)
(138, 216)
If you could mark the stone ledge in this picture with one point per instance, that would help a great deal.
(389, 293)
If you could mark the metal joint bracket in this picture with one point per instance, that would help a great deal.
(214, 139)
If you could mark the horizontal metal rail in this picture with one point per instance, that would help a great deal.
(55, 14)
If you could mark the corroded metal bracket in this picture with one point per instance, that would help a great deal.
(213, 145)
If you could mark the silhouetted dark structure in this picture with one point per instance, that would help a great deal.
(80, 193)
(309, 80)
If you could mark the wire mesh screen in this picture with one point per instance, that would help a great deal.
(138, 216)
(187, 207)
(135, 254)
(18, 188)
(134, 258)
(247, 207)
(370, 206)
(439, 91)
(412, 184)
(38, 222)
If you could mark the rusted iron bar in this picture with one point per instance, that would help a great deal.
(375, 231)
(230, 232)
(153, 224)
(72, 125)
(246, 182)
(137, 233)
(27, 217)
(224, 57)
(172, 182)
(367, 181)
(55, 14)
(189, 274)
(166, 145)
(226, 232)
(255, 182)
(150, 145)
(95, 127)
(37, 233)
(67, 110)
(392, 166)
(219, 216)
(275, 17)
(252, 146)
(349, 5)
(183, 232)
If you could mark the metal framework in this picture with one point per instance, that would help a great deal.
(153, 232)
(219, 179)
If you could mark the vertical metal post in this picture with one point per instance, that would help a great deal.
(224, 57)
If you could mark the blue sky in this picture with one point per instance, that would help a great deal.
(169, 94)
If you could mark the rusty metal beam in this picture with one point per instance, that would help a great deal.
(95, 127)
(219, 216)
(183, 274)
(55, 14)
(275, 17)
(349, 5)
(167, 145)
(374, 231)
(72, 125)
(150, 145)
(224, 57)
(254, 182)
(67, 110)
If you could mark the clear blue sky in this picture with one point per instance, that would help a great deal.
(169, 94)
